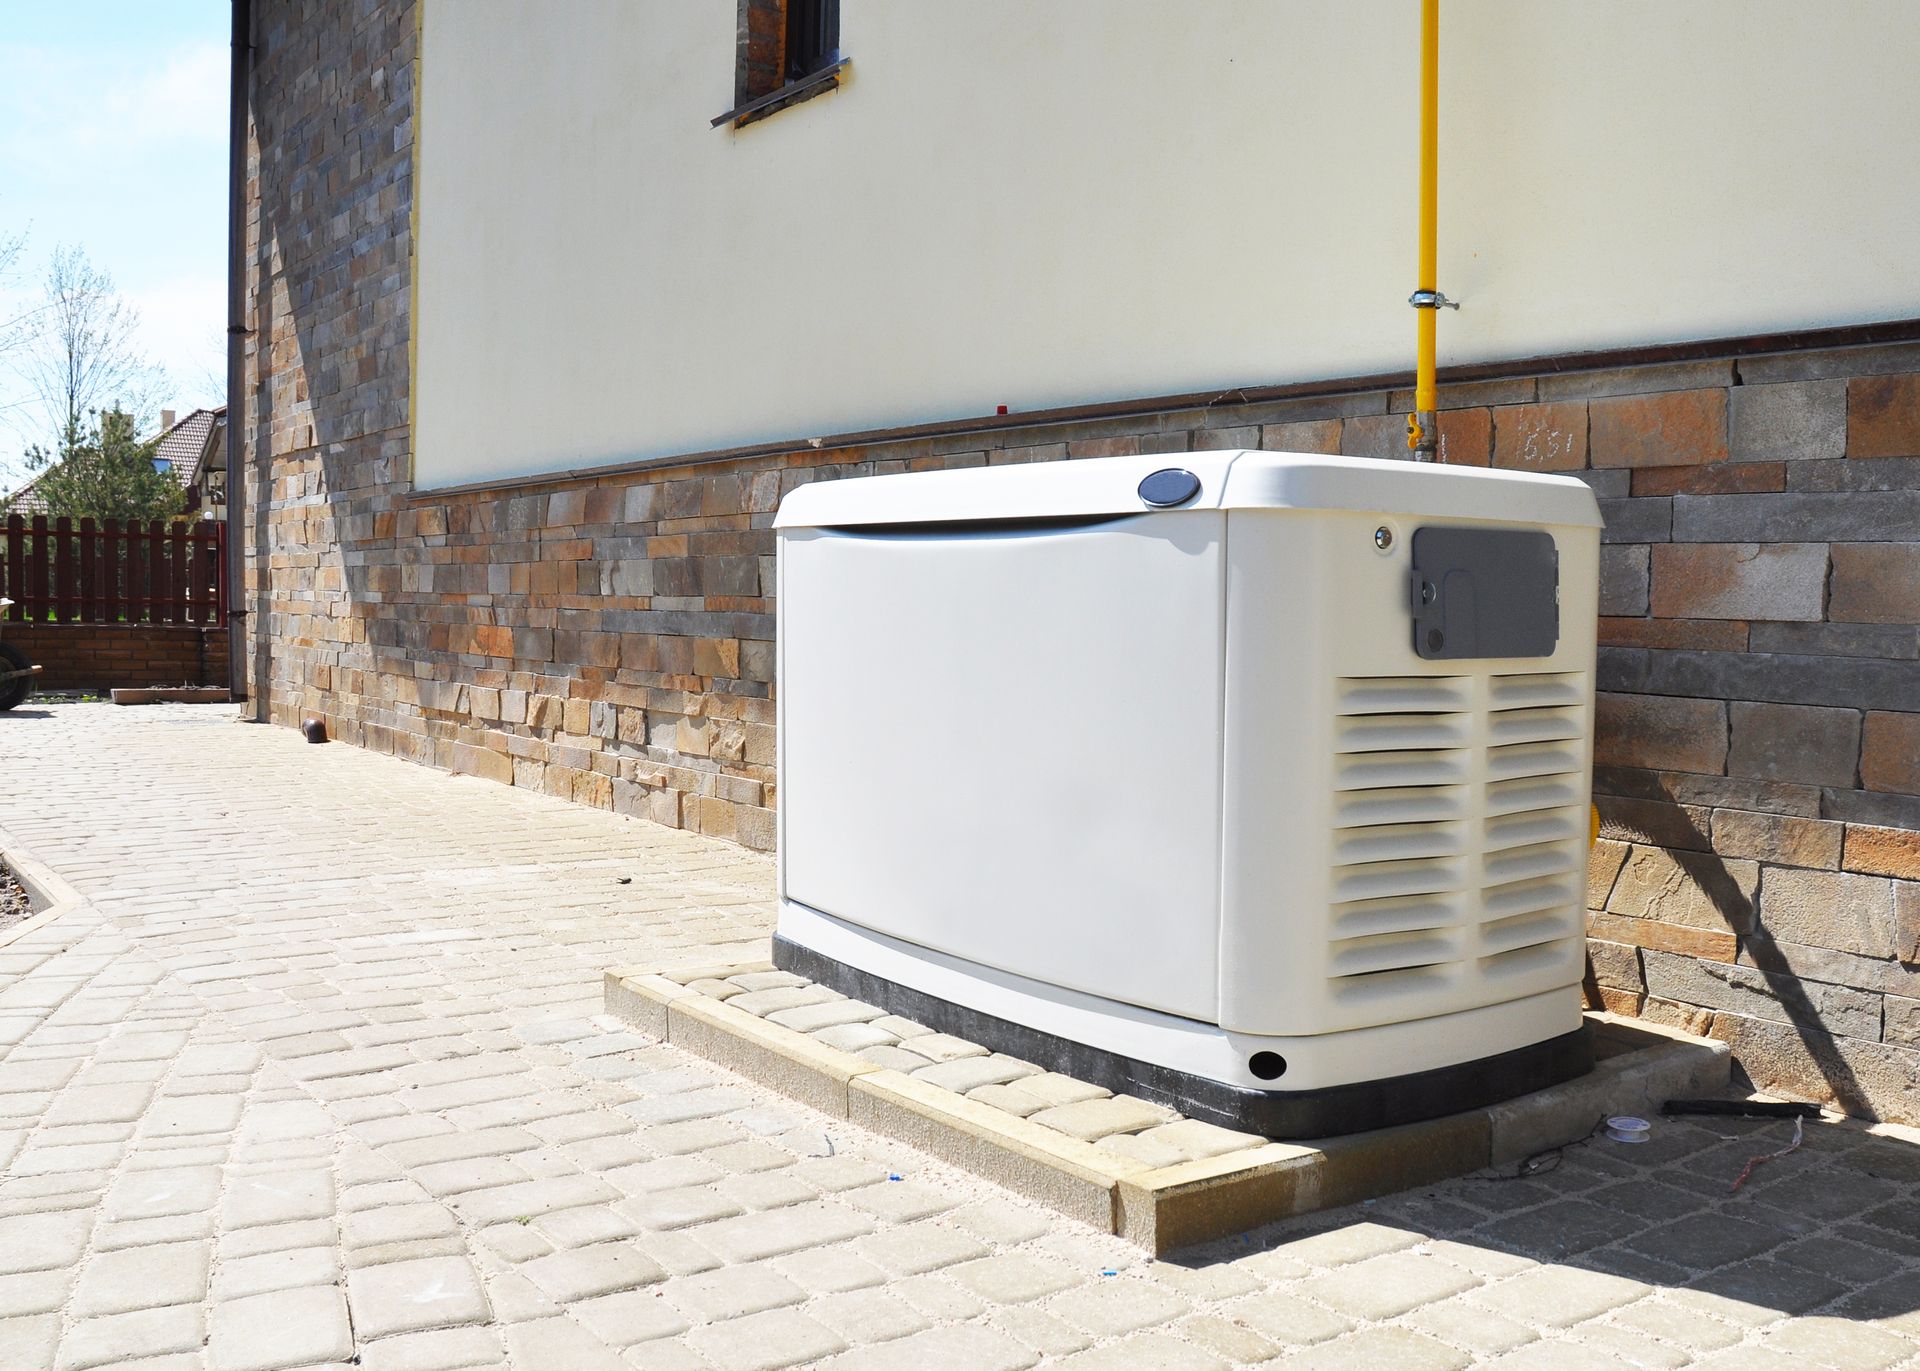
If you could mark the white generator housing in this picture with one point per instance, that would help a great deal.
(1196, 774)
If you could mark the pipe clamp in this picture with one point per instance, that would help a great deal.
(1431, 299)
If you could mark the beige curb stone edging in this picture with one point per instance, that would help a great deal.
(1159, 1207)
(173, 695)
(50, 895)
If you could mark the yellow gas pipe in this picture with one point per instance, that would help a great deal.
(1422, 431)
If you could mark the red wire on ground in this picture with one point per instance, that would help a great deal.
(1756, 1163)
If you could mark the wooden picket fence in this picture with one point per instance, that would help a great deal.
(152, 573)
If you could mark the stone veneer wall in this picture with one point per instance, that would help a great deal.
(610, 640)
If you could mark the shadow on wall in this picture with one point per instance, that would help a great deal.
(1760, 969)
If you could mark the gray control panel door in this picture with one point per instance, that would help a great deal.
(1485, 592)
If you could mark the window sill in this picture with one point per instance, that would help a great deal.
(793, 93)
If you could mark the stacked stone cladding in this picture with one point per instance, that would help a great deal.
(610, 638)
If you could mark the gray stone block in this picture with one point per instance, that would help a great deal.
(1624, 580)
(1607, 483)
(1589, 385)
(1807, 743)
(1869, 807)
(1754, 992)
(1788, 422)
(1898, 642)
(1849, 682)
(1647, 519)
(1835, 909)
(1879, 473)
(1827, 965)
(1871, 359)
(1839, 516)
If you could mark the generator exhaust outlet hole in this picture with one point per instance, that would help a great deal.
(1268, 1066)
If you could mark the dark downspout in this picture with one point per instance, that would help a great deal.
(240, 77)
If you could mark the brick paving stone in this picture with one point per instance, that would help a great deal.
(965, 1074)
(1113, 1307)
(268, 1271)
(403, 1297)
(1091, 1120)
(766, 1341)
(751, 1237)
(868, 1316)
(936, 1047)
(584, 1225)
(1144, 1349)
(116, 1339)
(162, 1192)
(1470, 1326)
(628, 1317)
(1226, 1339)
(1706, 1240)
(142, 1278)
(582, 1272)
(1036, 1329)
(276, 1196)
(681, 1207)
(1371, 1348)
(397, 1223)
(34, 1292)
(1195, 1139)
(1012, 1278)
(1387, 1286)
(442, 1349)
(731, 1291)
(560, 1342)
(38, 1242)
(968, 1347)
(285, 1328)
(1286, 1319)
(1558, 1296)
(896, 1058)
(764, 1002)
(765, 1190)
(852, 1037)
(812, 1018)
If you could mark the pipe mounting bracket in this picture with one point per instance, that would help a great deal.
(1431, 299)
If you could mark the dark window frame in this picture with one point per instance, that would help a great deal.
(787, 51)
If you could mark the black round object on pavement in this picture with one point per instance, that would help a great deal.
(14, 691)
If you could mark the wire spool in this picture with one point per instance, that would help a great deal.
(1625, 1128)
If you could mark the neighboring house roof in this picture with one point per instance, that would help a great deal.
(186, 444)
(27, 500)
(184, 448)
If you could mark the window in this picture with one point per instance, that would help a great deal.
(162, 464)
(813, 36)
(786, 51)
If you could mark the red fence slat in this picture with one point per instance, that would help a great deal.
(156, 556)
(16, 564)
(177, 556)
(154, 573)
(89, 588)
(39, 580)
(66, 583)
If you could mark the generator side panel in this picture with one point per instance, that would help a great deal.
(1002, 744)
(1406, 828)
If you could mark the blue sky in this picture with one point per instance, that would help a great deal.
(113, 136)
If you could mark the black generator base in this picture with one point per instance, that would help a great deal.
(1280, 1114)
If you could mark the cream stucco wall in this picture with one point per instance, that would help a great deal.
(1046, 203)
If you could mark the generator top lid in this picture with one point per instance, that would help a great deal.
(1191, 480)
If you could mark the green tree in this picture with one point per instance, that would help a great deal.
(106, 471)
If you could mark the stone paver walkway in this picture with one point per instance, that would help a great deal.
(318, 1077)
